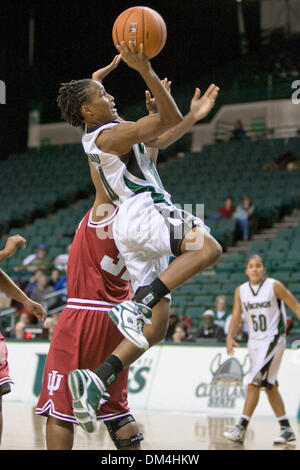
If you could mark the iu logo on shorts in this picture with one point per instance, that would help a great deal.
(54, 380)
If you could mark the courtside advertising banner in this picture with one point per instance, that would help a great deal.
(183, 378)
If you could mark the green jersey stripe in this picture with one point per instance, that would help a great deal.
(281, 324)
(113, 196)
(138, 189)
(273, 344)
(156, 175)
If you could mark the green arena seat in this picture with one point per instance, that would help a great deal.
(227, 289)
(294, 287)
(193, 312)
(295, 276)
(282, 276)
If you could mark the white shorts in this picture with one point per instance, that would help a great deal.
(265, 358)
(148, 233)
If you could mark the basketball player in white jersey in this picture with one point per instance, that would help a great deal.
(148, 223)
(130, 179)
(261, 300)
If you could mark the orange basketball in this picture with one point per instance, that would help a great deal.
(141, 25)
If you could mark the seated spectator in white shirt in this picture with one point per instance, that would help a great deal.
(61, 261)
(221, 313)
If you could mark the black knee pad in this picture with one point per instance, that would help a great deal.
(116, 424)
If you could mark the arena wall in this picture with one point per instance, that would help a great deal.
(281, 119)
(280, 115)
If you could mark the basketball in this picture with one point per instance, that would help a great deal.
(141, 25)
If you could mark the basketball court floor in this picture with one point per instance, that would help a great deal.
(23, 430)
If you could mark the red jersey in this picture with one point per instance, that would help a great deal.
(96, 270)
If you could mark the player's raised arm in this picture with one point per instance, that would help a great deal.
(120, 139)
(288, 298)
(12, 290)
(199, 108)
(11, 246)
(152, 109)
(100, 74)
(166, 105)
(234, 324)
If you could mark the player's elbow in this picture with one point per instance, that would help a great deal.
(163, 145)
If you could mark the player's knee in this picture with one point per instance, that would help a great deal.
(124, 433)
(215, 250)
(269, 388)
(212, 250)
(51, 421)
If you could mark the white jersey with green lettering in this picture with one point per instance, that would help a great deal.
(264, 313)
(124, 176)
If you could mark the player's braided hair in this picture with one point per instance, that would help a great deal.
(71, 97)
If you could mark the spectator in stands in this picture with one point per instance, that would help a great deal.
(181, 333)
(24, 322)
(221, 314)
(226, 211)
(50, 324)
(238, 132)
(61, 261)
(288, 160)
(59, 285)
(293, 165)
(173, 321)
(242, 333)
(42, 290)
(243, 215)
(5, 301)
(33, 282)
(209, 329)
(54, 278)
(40, 261)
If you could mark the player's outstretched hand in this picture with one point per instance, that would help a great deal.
(151, 102)
(202, 105)
(100, 74)
(35, 309)
(230, 344)
(13, 244)
(134, 60)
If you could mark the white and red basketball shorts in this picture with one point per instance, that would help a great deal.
(4, 369)
(83, 339)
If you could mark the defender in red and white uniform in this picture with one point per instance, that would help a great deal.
(84, 335)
